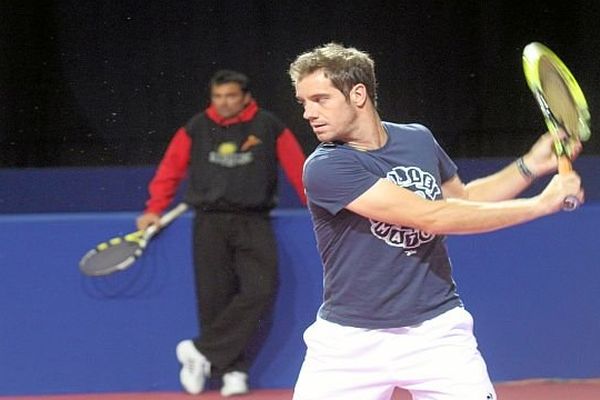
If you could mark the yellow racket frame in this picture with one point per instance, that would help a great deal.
(532, 54)
(577, 126)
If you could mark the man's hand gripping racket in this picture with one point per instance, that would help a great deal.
(562, 103)
(120, 253)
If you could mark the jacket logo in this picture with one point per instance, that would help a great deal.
(250, 142)
(226, 148)
(226, 155)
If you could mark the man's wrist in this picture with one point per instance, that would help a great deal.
(524, 170)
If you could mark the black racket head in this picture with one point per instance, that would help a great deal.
(110, 259)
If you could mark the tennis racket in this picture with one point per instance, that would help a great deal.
(562, 103)
(119, 253)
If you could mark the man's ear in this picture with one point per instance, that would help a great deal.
(358, 95)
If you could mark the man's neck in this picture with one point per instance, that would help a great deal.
(371, 135)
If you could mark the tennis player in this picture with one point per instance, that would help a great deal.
(382, 196)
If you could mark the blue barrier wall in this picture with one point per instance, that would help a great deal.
(64, 332)
(532, 289)
(125, 189)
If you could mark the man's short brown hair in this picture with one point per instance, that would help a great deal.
(344, 66)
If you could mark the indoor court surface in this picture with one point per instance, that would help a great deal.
(521, 390)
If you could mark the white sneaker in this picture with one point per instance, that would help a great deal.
(234, 383)
(195, 367)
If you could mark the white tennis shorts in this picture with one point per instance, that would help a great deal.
(435, 360)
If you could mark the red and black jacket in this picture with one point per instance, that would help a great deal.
(232, 163)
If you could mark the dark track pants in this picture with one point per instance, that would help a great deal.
(235, 257)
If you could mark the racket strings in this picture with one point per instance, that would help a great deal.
(561, 105)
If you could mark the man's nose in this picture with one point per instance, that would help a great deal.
(309, 112)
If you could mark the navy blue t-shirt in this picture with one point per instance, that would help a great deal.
(378, 275)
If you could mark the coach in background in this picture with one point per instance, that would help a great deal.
(230, 151)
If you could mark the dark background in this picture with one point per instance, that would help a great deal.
(95, 83)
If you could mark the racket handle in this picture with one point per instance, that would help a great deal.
(165, 220)
(564, 165)
(570, 203)
(172, 214)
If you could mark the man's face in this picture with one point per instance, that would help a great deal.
(329, 113)
(228, 99)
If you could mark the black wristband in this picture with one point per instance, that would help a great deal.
(526, 172)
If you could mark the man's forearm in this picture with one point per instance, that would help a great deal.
(505, 184)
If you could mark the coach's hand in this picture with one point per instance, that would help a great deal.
(148, 219)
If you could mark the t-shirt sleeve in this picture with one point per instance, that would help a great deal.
(333, 178)
(447, 167)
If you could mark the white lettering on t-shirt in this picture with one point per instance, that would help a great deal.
(424, 185)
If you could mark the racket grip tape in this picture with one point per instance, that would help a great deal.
(564, 165)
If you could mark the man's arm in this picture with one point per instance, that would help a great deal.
(291, 157)
(169, 174)
(502, 185)
(387, 202)
(511, 180)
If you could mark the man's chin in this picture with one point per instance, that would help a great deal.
(324, 136)
(225, 114)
